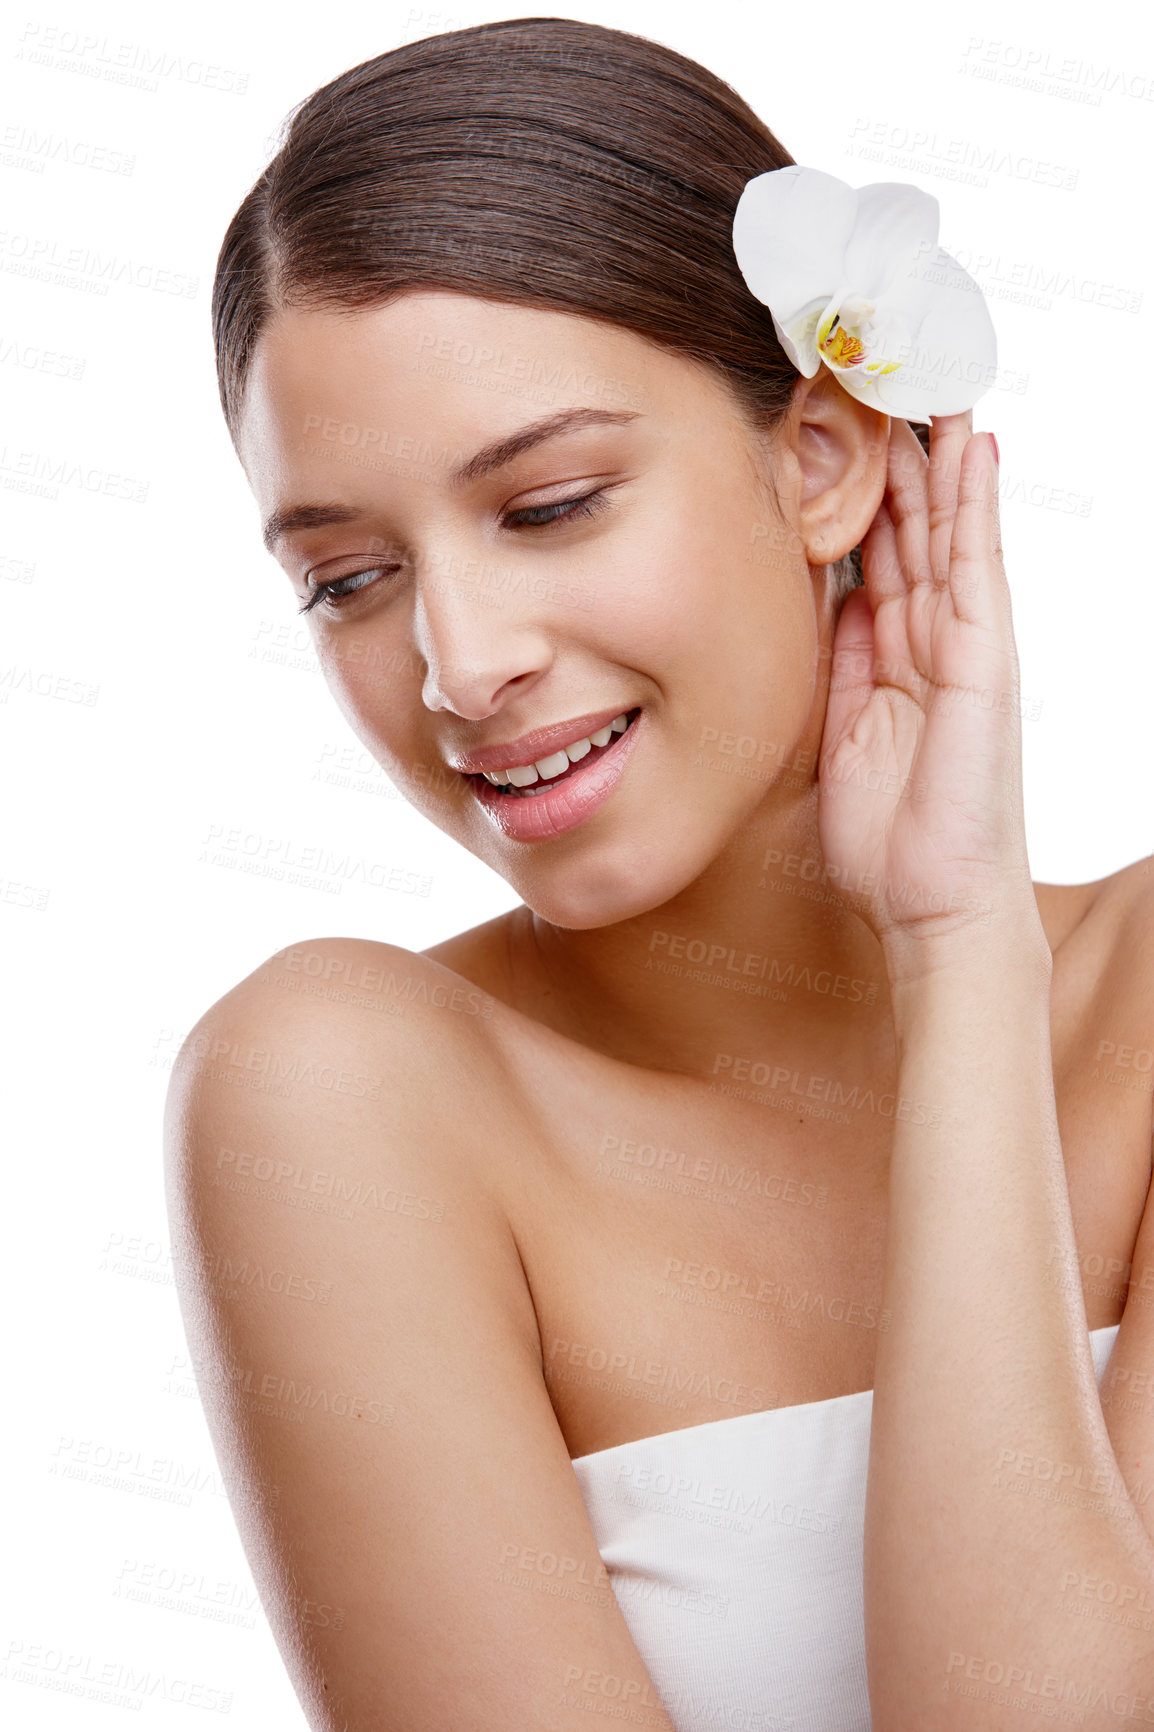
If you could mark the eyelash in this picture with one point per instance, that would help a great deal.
(585, 505)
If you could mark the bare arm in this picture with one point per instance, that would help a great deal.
(992, 1473)
(368, 1358)
(993, 1480)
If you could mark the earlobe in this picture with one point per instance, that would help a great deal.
(841, 447)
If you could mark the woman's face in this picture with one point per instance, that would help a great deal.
(516, 527)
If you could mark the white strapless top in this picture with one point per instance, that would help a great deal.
(735, 1551)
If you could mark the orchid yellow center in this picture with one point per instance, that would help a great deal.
(839, 338)
(839, 346)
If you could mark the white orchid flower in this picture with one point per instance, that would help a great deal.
(854, 278)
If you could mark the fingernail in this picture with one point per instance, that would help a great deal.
(994, 443)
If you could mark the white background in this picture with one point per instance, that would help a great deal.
(207, 715)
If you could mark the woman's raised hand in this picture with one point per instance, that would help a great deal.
(920, 771)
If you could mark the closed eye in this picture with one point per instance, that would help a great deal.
(538, 516)
(352, 583)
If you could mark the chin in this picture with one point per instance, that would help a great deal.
(582, 898)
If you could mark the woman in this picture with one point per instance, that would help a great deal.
(538, 1282)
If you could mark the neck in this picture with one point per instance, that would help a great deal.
(759, 959)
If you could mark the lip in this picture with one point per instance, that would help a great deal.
(538, 744)
(575, 798)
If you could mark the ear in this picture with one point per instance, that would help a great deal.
(841, 448)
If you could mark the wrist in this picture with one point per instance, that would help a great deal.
(1006, 943)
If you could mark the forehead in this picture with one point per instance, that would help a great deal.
(442, 368)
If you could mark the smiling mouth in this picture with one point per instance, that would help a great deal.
(548, 773)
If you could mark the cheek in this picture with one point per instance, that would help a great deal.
(684, 598)
(378, 692)
(651, 586)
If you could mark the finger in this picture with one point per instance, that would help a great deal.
(907, 498)
(948, 436)
(851, 680)
(977, 575)
(885, 582)
(880, 561)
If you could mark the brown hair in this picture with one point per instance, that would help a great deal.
(544, 161)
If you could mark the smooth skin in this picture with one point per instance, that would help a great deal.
(454, 1155)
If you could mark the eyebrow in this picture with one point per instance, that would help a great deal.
(494, 456)
(295, 517)
(503, 451)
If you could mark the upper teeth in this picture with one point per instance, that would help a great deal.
(524, 775)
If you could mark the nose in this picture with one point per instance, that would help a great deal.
(479, 646)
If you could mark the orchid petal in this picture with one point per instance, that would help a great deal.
(954, 359)
(798, 341)
(893, 221)
(790, 232)
(856, 280)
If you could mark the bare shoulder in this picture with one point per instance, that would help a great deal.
(1101, 914)
(1128, 894)
(1102, 937)
(1126, 914)
(344, 1079)
(343, 1076)
(367, 1351)
(340, 1018)
(356, 981)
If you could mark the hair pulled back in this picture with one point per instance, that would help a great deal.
(543, 161)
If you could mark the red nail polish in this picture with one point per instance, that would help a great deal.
(994, 443)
